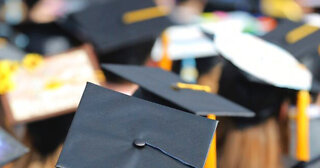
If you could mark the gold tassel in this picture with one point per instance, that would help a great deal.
(211, 161)
(165, 62)
(300, 33)
(180, 85)
(145, 14)
(303, 153)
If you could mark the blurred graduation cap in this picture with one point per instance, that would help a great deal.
(133, 133)
(301, 40)
(163, 87)
(187, 41)
(296, 37)
(264, 62)
(191, 41)
(269, 64)
(186, 48)
(114, 25)
(10, 149)
(29, 87)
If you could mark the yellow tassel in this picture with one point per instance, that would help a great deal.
(300, 33)
(211, 161)
(303, 153)
(165, 62)
(180, 85)
(100, 76)
(145, 14)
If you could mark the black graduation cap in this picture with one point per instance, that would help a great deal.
(10, 149)
(114, 130)
(299, 46)
(158, 86)
(111, 25)
(277, 35)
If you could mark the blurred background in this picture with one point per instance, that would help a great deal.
(49, 49)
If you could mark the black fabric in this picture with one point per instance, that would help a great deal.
(47, 135)
(312, 62)
(159, 83)
(298, 49)
(264, 100)
(102, 24)
(10, 149)
(144, 94)
(252, 6)
(277, 35)
(107, 123)
(136, 54)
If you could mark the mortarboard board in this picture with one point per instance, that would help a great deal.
(124, 131)
(111, 25)
(264, 61)
(42, 88)
(10, 149)
(160, 83)
(296, 37)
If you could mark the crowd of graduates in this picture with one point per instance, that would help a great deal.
(159, 83)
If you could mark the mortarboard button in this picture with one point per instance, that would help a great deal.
(139, 143)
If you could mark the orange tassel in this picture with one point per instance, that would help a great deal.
(165, 62)
(303, 153)
(211, 161)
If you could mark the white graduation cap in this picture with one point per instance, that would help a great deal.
(264, 60)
